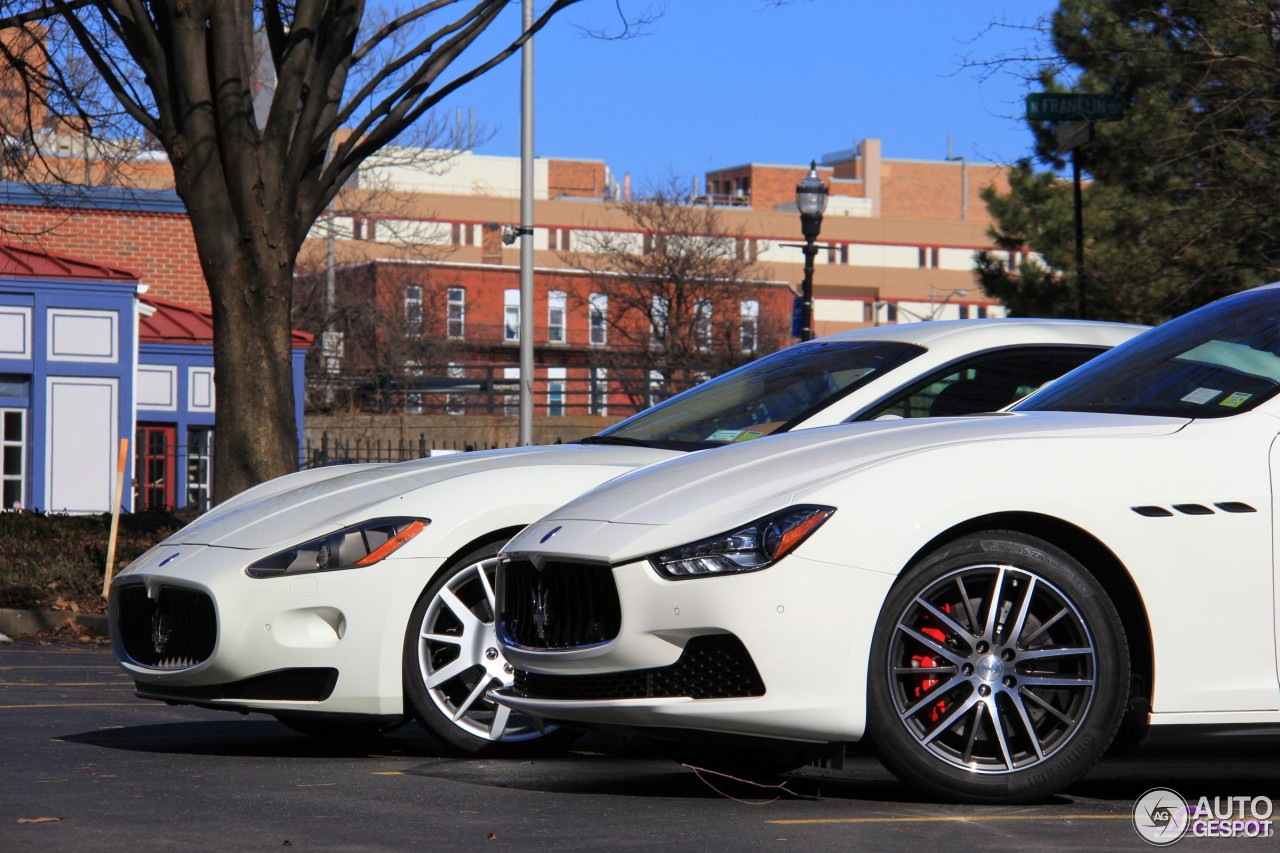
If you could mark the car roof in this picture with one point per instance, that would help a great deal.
(993, 332)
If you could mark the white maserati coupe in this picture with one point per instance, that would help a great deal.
(345, 599)
(983, 598)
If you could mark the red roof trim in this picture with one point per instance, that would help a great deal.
(173, 323)
(31, 263)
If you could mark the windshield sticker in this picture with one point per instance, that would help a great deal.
(1201, 396)
(1235, 400)
(750, 434)
(724, 435)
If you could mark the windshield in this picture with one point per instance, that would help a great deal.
(770, 394)
(1215, 362)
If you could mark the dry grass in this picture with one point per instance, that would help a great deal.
(56, 562)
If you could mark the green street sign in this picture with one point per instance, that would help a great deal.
(1047, 106)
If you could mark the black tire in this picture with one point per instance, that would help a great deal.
(1009, 707)
(332, 727)
(451, 658)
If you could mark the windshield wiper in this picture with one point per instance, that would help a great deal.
(615, 439)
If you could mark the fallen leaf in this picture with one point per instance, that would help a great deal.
(491, 837)
(38, 819)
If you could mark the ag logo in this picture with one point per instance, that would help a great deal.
(1161, 816)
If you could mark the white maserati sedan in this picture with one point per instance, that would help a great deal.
(984, 598)
(346, 599)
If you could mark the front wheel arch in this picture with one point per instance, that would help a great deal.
(1106, 568)
(491, 537)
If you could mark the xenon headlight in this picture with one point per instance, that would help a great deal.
(352, 547)
(748, 549)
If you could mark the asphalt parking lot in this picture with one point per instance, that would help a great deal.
(86, 766)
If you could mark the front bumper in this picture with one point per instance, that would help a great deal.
(327, 642)
(805, 627)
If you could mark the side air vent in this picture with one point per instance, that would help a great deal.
(1151, 511)
(1193, 509)
(1235, 506)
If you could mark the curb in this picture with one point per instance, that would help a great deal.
(16, 623)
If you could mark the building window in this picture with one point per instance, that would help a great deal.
(659, 312)
(511, 402)
(13, 457)
(413, 310)
(657, 387)
(413, 374)
(511, 315)
(599, 401)
(199, 467)
(555, 317)
(455, 404)
(750, 325)
(555, 392)
(564, 240)
(456, 313)
(153, 467)
(598, 319)
(964, 311)
(702, 323)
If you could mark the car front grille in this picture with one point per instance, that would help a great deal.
(715, 666)
(175, 630)
(562, 606)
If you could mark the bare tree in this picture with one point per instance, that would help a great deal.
(256, 156)
(674, 293)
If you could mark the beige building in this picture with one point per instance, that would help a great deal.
(898, 240)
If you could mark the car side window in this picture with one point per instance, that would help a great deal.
(981, 383)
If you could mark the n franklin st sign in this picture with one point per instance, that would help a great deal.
(1047, 106)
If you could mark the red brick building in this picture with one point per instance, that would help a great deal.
(144, 231)
(440, 337)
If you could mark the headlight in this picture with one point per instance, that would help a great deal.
(756, 546)
(359, 545)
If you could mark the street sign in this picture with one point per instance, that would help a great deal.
(1048, 106)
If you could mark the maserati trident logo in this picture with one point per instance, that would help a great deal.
(541, 615)
(161, 630)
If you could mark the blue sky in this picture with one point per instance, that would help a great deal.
(719, 83)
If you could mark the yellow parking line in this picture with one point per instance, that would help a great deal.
(387, 773)
(954, 819)
(80, 705)
(59, 666)
(60, 683)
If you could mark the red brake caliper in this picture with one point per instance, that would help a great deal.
(924, 661)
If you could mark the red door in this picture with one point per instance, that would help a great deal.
(153, 481)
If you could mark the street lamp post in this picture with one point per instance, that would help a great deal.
(811, 198)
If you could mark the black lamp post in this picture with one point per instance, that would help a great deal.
(811, 198)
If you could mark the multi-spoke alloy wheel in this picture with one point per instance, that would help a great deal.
(452, 661)
(999, 670)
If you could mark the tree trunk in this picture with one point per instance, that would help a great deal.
(256, 436)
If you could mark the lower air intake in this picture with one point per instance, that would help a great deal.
(717, 666)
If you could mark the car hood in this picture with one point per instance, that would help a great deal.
(308, 503)
(771, 470)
